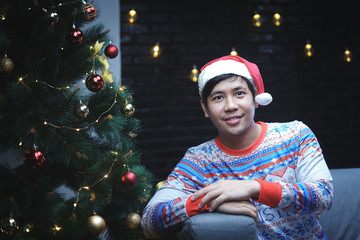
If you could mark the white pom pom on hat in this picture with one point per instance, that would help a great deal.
(238, 66)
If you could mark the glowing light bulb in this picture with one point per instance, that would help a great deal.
(132, 16)
(309, 51)
(257, 20)
(194, 74)
(277, 19)
(233, 52)
(156, 50)
(347, 55)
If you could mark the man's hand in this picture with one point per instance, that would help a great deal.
(240, 207)
(227, 191)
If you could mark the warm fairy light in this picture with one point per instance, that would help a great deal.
(277, 19)
(101, 179)
(233, 52)
(27, 230)
(20, 143)
(3, 17)
(156, 50)
(257, 20)
(194, 74)
(132, 16)
(309, 51)
(57, 228)
(20, 79)
(90, 124)
(347, 55)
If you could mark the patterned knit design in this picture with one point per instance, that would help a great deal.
(289, 154)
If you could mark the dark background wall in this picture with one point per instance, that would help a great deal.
(321, 91)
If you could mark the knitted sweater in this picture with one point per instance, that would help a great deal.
(295, 183)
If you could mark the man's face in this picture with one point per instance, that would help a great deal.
(231, 108)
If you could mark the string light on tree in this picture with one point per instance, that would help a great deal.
(194, 74)
(347, 55)
(132, 16)
(308, 49)
(156, 50)
(277, 19)
(257, 20)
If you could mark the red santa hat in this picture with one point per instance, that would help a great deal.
(238, 66)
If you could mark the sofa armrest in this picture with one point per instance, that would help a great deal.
(343, 218)
(211, 226)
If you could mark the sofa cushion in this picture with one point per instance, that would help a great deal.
(342, 221)
(215, 226)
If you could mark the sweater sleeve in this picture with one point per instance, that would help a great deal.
(313, 190)
(171, 205)
(270, 193)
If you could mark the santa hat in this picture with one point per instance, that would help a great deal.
(238, 66)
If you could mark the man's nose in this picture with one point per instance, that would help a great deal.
(230, 104)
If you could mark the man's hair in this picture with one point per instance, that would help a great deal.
(212, 83)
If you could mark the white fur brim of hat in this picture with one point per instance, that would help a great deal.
(230, 66)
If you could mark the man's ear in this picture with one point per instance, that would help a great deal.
(256, 104)
(206, 113)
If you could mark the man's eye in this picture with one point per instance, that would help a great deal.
(239, 93)
(217, 97)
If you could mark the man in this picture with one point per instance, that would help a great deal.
(273, 172)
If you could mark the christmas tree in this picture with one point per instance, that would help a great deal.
(66, 124)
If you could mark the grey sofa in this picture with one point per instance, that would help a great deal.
(341, 222)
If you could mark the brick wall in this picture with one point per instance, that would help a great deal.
(321, 91)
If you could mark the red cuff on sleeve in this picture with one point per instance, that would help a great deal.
(270, 193)
(192, 207)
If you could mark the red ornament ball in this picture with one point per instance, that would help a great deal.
(111, 51)
(34, 158)
(94, 82)
(129, 179)
(89, 11)
(75, 36)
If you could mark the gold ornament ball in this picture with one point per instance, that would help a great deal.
(95, 225)
(133, 220)
(129, 109)
(81, 110)
(159, 185)
(6, 65)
